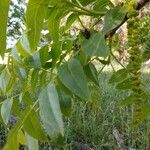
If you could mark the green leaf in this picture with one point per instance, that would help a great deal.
(40, 57)
(35, 78)
(12, 143)
(21, 137)
(35, 14)
(31, 142)
(23, 46)
(127, 101)
(113, 18)
(21, 73)
(2, 67)
(146, 111)
(32, 125)
(62, 87)
(82, 57)
(34, 60)
(21, 50)
(71, 74)
(95, 98)
(95, 45)
(91, 73)
(70, 20)
(4, 7)
(124, 85)
(27, 98)
(100, 5)
(84, 2)
(50, 112)
(144, 114)
(4, 80)
(44, 55)
(6, 110)
(53, 26)
(58, 12)
(118, 76)
(65, 103)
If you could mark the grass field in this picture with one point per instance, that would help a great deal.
(92, 127)
(88, 128)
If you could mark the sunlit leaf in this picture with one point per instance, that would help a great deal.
(113, 18)
(6, 110)
(4, 7)
(31, 142)
(72, 76)
(118, 76)
(21, 137)
(50, 112)
(32, 125)
(124, 85)
(4, 79)
(36, 12)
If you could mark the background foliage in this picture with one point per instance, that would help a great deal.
(54, 67)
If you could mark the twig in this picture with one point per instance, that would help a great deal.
(140, 5)
(119, 139)
(86, 10)
(81, 22)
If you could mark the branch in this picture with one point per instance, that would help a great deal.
(119, 139)
(141, 4)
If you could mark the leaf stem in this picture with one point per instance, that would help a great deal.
(87, 10)
(81, 22)
(95, 23)
(79, 3)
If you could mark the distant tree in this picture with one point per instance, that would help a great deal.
(15, 20)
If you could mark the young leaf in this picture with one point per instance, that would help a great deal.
(53, 26)
(44, 55)
(70, 21)
(59, 11)
(34, 60)
(113, 18)
(12, 142)
(21, 137)
(127, 101)
(21, 50)
(31, 142)
(124, 85)
(95, 98)
(95, 45)
(50, 112)
(91, 73)
(32, 125)
(65, 103)
(100, 5)
(84, 2)
(118, 76)
(6, 110)
(36, 12)
(72, 76)
(4, 7)
(4, 79)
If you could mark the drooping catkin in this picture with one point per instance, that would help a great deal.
(135, 61)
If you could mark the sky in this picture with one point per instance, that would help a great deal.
(10, 40)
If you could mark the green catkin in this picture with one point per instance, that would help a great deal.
(145, 37)
(135, 60)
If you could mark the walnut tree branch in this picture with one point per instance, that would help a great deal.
(141, 4)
